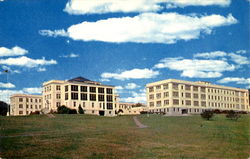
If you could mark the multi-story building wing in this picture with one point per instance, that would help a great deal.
(130, 109)
(180, 97)
(93, 97)
(24, 104)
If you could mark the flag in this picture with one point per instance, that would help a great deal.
(6, 71)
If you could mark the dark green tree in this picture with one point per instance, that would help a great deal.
(80, 110)
(4, 107)
(233, 115)
(207, 114)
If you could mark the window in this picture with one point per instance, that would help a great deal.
(151, 96)
(84, 88)
(58, 88)
(31, 106)
(35, 106)
(20, 99)
(203, 104)
(66, 96)
(203, 89)
(74, 88)
(175, 86)
(40, 100)
(151, 104)
(27, 99)
(83, 104)
(20, 112)
(66, 88)
(31, 100)
(196, 95)
(93, 112)
(188, 95)
(27, 106)
(74, 104)
(100, 97)
(109, 106)
(151, 89)
(84, 96)
(92, 89)
(166, 102)
(203, 96)
(58, 96)
(40, 106)
(187, 87)
(20, 105)
(196, 103)
(166, 94)
(93, 97)
(100, 90)
(100, 104)
(195, 88)
(158, 87)
(165, 86)
(74, 96)
(175, 101)
(158, 103)
(58, 104)
(175, 94)
(109, 91)
(109, 98)
(36, 100)
(188, 102)
(158, 95)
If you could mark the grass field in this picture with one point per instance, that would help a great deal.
(84, 136)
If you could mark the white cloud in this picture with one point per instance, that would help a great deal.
(135, 98)
(119, 88)
(131, 74)
(54, 33)
(241, 51)
(211, 54)
(241, 60)
(147, 28)
(14, 51)
(104, 80)
(34, 90)
(5, 94)
(24, 61)
(41, 69)
(71, 55)
(131, 86)
(196, 68)
(10, 70)
(7, 85)
(106, 6)
(237, 80)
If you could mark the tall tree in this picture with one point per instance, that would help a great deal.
(3, 108)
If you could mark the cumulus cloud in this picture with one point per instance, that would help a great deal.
(239, 59)
(14, 51)
(41, 69)
(131, 86)
(71, 55)
(24, 61)
(237, 80)
(196, 68)
(10, 70)
(211, 54)
(146, 28)
(105, 6)
(34, 90)
(131, 74)
(135, 98)
(7, 85)
(54, 33)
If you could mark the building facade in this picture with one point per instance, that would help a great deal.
(184, 97)
(24, 104)
(130, 109)
(94, 97)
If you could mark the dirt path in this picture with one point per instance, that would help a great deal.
(50, 115)
(138, 123)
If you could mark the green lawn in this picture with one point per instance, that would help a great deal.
(84, 136)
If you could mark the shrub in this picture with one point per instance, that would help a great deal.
(35, 112)
(207, 114)
(72, 111)
(233, 115)
(80, 110)
(65, 110)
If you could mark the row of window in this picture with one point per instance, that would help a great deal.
(175, 110)
(92, 97)
(30, 100)
(101, 105)
(91, 89)
(176, 94)
(30, 106)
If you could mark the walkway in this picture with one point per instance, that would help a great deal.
(138, 123)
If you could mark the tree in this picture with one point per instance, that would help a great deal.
(3, 108)
(233, 115)
(120, 111)
(207, 114)
(80, 110)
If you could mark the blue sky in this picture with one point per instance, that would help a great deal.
(123, 43)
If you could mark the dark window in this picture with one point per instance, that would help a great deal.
(66, 88)
(93, 97)
(83, 88)
(84, 96)
(74, 88)
(101, 97)
(74, 96)
(20, 99)
(109, 98)
(66, 96)
(109, 105)
(109, 91)
(20, 106)
(58, 88)
(100, 90)
(92, 89)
